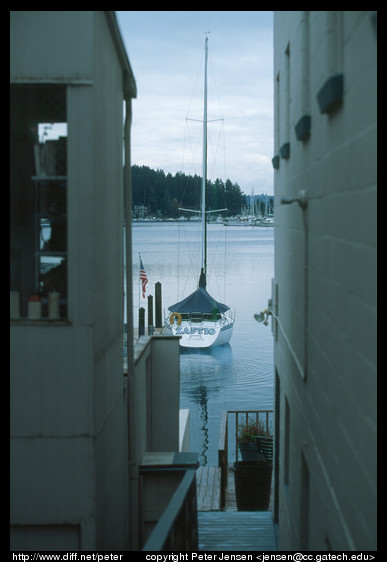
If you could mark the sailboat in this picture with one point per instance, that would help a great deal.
(200, 320)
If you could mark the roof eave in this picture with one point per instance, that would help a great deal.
(129, 82)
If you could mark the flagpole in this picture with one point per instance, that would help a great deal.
(139, 281)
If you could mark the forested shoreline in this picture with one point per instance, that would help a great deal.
(155, 193)
(162, 194)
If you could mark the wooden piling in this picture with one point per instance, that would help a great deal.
(150, 311)
(158, 309)
(141, 322)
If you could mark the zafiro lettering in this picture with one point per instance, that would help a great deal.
(190, 331)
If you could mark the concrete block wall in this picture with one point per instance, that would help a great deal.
(325, 269)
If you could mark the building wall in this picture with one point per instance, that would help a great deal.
(157, 390)
(108, 306)
(68, 394)
(61, 36)
(51, 450)
(324, 291)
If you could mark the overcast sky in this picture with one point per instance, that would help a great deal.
(166, 52)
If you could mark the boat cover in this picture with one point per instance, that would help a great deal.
(198, 301)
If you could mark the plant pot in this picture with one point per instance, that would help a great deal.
(249, 451)
(252, 485)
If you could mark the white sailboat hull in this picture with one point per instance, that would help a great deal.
(201, 335)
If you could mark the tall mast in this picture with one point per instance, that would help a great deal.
(202, 280)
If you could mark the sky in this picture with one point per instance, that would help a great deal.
(166, 53)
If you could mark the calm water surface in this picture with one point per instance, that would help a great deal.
(240, 269)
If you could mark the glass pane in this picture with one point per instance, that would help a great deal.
(38, 195)
(53, 275)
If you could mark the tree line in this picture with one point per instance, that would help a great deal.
(162, 194)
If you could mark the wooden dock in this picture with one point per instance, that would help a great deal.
(230, 529)
(208, 488)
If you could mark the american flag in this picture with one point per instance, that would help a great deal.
(143, 278)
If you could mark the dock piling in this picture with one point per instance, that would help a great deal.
(141, 321)
(158, 308)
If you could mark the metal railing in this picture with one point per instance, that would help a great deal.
(225, 440)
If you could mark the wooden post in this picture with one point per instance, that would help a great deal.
(141, 322)
(158, 309)
(150, 314)
(223, 457)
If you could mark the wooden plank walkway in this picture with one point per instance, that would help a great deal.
(236, 531)
(208, 488)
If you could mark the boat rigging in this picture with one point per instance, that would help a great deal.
(199, 319)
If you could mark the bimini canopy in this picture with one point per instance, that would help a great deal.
(198, 301)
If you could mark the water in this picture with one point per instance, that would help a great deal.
(240, 269)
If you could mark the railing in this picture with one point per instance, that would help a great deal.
(224, 441)
(177, 528)
(223, 457)
(247, 415)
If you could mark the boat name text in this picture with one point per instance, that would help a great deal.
(205, 331)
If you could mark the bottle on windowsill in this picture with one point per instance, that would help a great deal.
(53, 306)
(34, 307)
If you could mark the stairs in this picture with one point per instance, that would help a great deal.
(236, 531)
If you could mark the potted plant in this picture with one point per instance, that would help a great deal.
(248, 440)
(253, 474)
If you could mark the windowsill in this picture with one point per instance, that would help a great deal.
(285, 150)
(302, 128)
(276, 162)
(49, 178)
(40, 322)
(330, 95)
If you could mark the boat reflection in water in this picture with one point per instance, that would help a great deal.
(204, 375)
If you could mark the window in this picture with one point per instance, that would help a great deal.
(277, 444)
(38, 196)
(305, 64)
(330, 95)
(277, 123)
(285, 146)
(333, 42)
(287, 446)
(303, 125)
(304, 505)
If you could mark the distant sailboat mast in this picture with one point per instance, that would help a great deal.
(203, 212)
(203, 273)
(199, 320)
